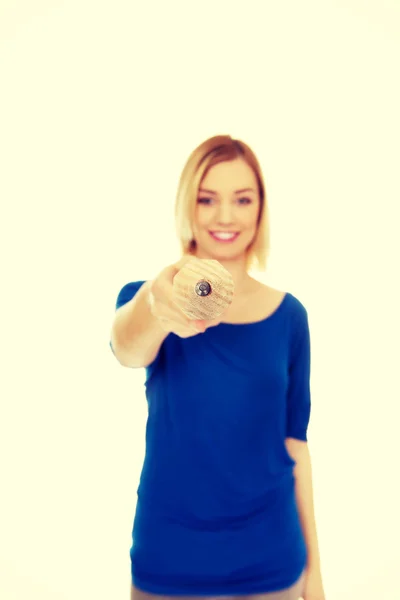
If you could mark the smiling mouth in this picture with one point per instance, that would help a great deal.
(224, 236)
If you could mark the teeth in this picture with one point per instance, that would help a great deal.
(223, 235)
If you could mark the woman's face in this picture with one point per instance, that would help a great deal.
(227, 210)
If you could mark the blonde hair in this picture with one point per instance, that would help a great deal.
(218, 149)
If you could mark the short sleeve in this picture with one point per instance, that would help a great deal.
(126, 294)
(299, 396)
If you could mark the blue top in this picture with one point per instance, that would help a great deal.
(216, 511)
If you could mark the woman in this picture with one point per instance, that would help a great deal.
(224, 502)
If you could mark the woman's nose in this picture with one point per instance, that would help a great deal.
(225, 215)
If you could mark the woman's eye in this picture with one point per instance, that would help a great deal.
(209, 200)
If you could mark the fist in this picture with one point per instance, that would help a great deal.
(171, 301)
(203, 289)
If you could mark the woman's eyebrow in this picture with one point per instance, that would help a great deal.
(237, 191)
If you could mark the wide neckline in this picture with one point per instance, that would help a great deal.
(264, 320)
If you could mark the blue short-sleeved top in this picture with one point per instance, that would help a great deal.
(216, 510)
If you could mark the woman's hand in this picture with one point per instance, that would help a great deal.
(163, 307)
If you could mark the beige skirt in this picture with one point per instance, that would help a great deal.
(294, 592)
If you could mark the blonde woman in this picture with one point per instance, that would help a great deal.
(225, 504)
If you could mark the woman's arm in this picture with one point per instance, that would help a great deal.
(136, 335)
(300, 453)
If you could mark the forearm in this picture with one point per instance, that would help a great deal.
(136, 335)
(305, 503)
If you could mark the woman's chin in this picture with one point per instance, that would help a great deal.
(220, 253)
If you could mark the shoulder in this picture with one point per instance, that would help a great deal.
(297, 304)
(127, 292)
(293, 306)
(132, 286)
(274, 297)
(298, 318)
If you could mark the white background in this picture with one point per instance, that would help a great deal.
(100, 105)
